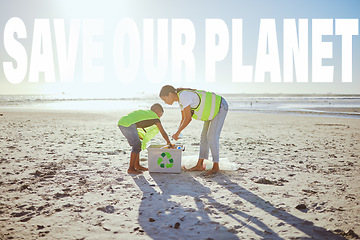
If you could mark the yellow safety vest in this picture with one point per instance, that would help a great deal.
(140, 115)
(208, 107)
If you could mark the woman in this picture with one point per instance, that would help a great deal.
(204, 106)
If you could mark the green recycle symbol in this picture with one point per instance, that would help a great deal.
(160, 160)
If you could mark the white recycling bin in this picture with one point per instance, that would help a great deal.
(166, 160)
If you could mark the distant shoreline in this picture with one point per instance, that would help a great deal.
(308, 112)
(143, 95)
(347, 106)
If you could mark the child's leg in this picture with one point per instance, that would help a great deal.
(133, 139)
(133, 158)
(138, 166)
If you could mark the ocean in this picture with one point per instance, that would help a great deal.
(345, 106)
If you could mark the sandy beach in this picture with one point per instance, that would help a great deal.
(63, 176)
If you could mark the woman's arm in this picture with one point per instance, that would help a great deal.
(182, 117)
(186, 119)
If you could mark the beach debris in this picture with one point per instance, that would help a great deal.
(25, 186)
(151, 220)
(27, 215)
(120, 179)
(19, 214)
(139, 230)
(270, 182)
(43, 234)
(238, 202)
(31, 208)
(301, 206)
(350, 197)
(36, 174)
(349, 233)
(177, 225)
(25, 219)
(331, 125)
(39, 227)
(264, 181)
(107, 209)
(49, 174)
(61, 195)
(333, 209)
(311, 192)
(241, 169)
(82, 180)
(267, 232)
(42, 207)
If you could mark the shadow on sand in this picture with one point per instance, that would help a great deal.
(304, 226)
(177, 206)
(162, 208)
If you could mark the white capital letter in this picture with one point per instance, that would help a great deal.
(183, 42)
(296, 50)
(67, 55)
(155, 72)
(215, 28)
(42, 54)
(321, 50)
(15, 50)
(92, 50)
(126, 53)
(267, 58)
(346, 28)
(240, 73)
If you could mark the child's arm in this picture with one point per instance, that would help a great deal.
(163, 133)
(186, 119)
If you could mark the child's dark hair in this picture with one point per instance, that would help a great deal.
(156, 107)
(167, 89)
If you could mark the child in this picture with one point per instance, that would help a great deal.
(144, 124)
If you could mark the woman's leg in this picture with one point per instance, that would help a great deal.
(204, 148)
(213, 136)
(204, 141)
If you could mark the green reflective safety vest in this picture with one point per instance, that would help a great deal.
(208, 107)
(137, 116)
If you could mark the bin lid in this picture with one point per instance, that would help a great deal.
(162, 147)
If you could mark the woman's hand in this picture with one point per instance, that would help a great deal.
(185, 120)
(175, 136)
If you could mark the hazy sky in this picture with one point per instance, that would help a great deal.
(100, 53)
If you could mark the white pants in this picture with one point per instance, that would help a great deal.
(210, 134)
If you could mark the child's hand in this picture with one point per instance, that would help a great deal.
(169, 146)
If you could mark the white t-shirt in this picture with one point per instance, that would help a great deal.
(187, 98)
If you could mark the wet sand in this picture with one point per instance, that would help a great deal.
(338, 109)
(63, 176)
